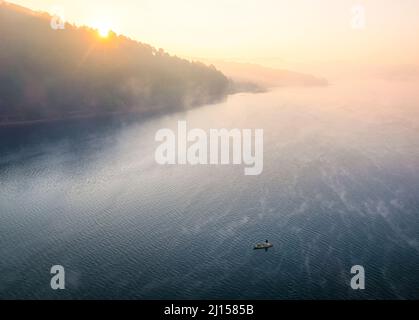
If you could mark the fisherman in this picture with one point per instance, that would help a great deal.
(266, 245)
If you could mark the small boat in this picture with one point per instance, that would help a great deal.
(265, 245)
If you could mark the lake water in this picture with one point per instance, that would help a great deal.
(340, 187)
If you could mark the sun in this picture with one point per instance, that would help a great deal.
(104, 31)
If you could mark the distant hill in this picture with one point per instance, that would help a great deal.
(48, 74)
(266, 77)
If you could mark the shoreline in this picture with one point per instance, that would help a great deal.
(145, 114)
(23, 123)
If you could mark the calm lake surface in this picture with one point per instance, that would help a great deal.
(340, 187)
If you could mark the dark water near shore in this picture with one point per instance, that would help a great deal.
(340, 187)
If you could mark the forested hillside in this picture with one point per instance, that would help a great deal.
(57, 74)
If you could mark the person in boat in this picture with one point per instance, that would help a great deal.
(265, 245)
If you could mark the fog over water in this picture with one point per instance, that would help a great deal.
(340, 187)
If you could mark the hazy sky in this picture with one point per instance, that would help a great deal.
(270, 32)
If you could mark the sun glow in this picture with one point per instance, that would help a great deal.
(104, 31)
